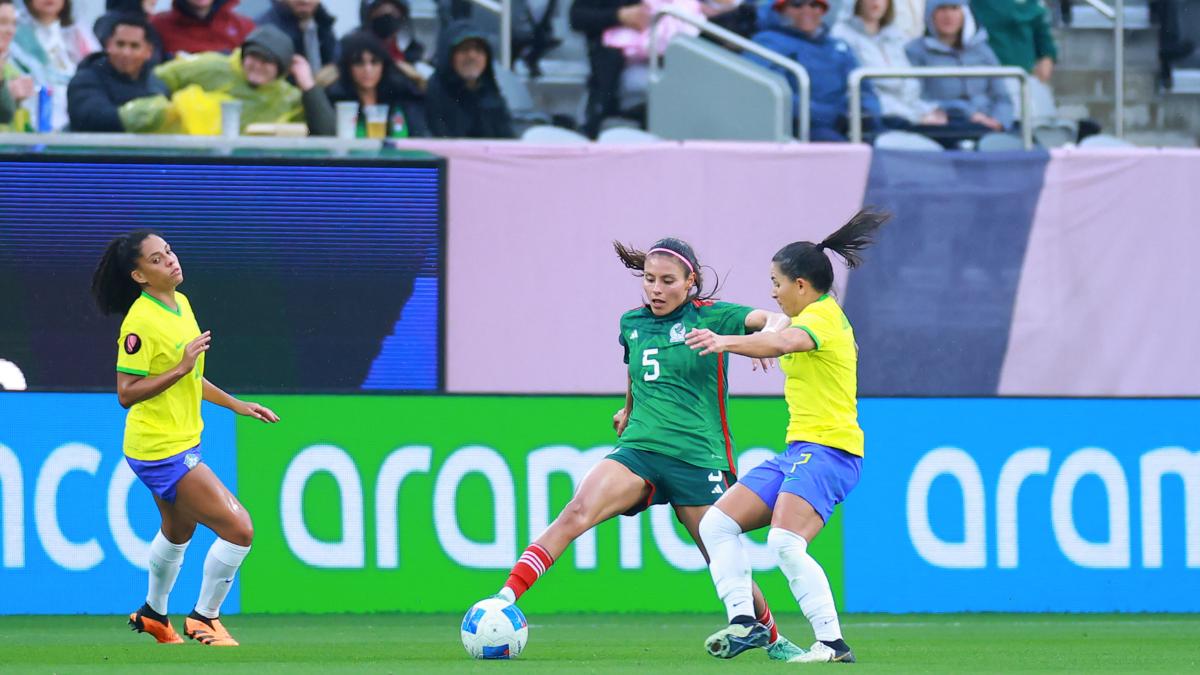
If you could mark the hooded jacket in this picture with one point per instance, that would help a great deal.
(180, 30)
(452, 110)
(1018, 30)
(967, 95)
(395, 90)
(885, 49)
(98, 90)
(281, 16)
(828, 61)
(274, 102)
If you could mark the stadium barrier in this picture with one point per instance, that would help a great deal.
(377, 503)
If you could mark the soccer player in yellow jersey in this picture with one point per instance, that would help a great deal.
(160, 379)
(796, 491)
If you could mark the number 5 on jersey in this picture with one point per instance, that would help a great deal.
(650, 362)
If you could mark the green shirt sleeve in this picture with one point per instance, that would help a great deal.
(729, 318)
(1043, 39)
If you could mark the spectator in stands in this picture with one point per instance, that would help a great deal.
(592, 18)
(255, 75)
(14, 85)
(1019, 34)
(908, 16)
(877, 42)
(51, 47)
(196, 26)
(309, 25)
(463, 99)
(115, 9)
(367, 74)
(389, 20)
(107, 80)
(803, 37)
(973, 105)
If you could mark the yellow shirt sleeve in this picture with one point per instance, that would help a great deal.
(134, 349)
(819, 324)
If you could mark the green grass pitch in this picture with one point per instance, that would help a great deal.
(608, 643)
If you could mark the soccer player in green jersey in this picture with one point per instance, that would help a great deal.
(796, 491)
(674, 447)
(160, 379)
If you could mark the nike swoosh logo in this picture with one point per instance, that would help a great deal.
(178, 346)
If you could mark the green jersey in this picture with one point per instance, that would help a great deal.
(679, 398)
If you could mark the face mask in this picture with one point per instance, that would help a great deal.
(385, 25)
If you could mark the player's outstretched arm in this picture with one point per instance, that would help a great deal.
(764, 320)
(761, 320)
(214, 394)
(759, 345)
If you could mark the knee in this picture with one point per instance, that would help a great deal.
(242, 532)
(716, 525)
(785, 542)
(576, 517)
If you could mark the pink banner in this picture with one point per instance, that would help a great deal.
(1107, 302)
(534, 290)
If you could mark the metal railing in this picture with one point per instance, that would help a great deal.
(218, 144)
(1117, 15)
(730, 37)
(860, 74)
(504, 9)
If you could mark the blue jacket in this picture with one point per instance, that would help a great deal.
(828, 61)
(964, 96)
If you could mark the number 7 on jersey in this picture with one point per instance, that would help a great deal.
(649, 362)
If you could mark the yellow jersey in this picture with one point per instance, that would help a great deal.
(152, 340)
(822, 384)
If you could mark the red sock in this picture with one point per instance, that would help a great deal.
(769, 621)
(532, 564)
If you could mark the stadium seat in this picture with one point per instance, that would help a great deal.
(544, 133)
(905, 140)
(999, 142)
(1104, 141)
(1053, 136)
(627, 135)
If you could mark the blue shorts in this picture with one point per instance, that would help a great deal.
(162, 475)
(818, 474)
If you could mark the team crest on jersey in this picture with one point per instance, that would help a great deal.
(133, 343)
(677, 333)
(190, 460)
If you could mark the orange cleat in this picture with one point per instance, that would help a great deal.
(207, 631)
(158, 626)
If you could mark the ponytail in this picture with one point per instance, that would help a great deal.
(806, 260)
(854, 236)
(112, 287)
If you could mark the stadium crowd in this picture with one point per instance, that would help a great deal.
(143, 72)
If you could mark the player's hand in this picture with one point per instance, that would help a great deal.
(762, 364)
(620, 421)
(257, 411)
(705, 341)
(193, 350)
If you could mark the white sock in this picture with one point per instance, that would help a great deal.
(165, 560)
(808, 582)
(220, 566)
(729, 565)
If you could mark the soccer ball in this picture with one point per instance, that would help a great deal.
(494, 629)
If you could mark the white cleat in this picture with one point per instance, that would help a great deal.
(823, 653)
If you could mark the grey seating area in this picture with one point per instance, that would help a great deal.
(705, 91)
